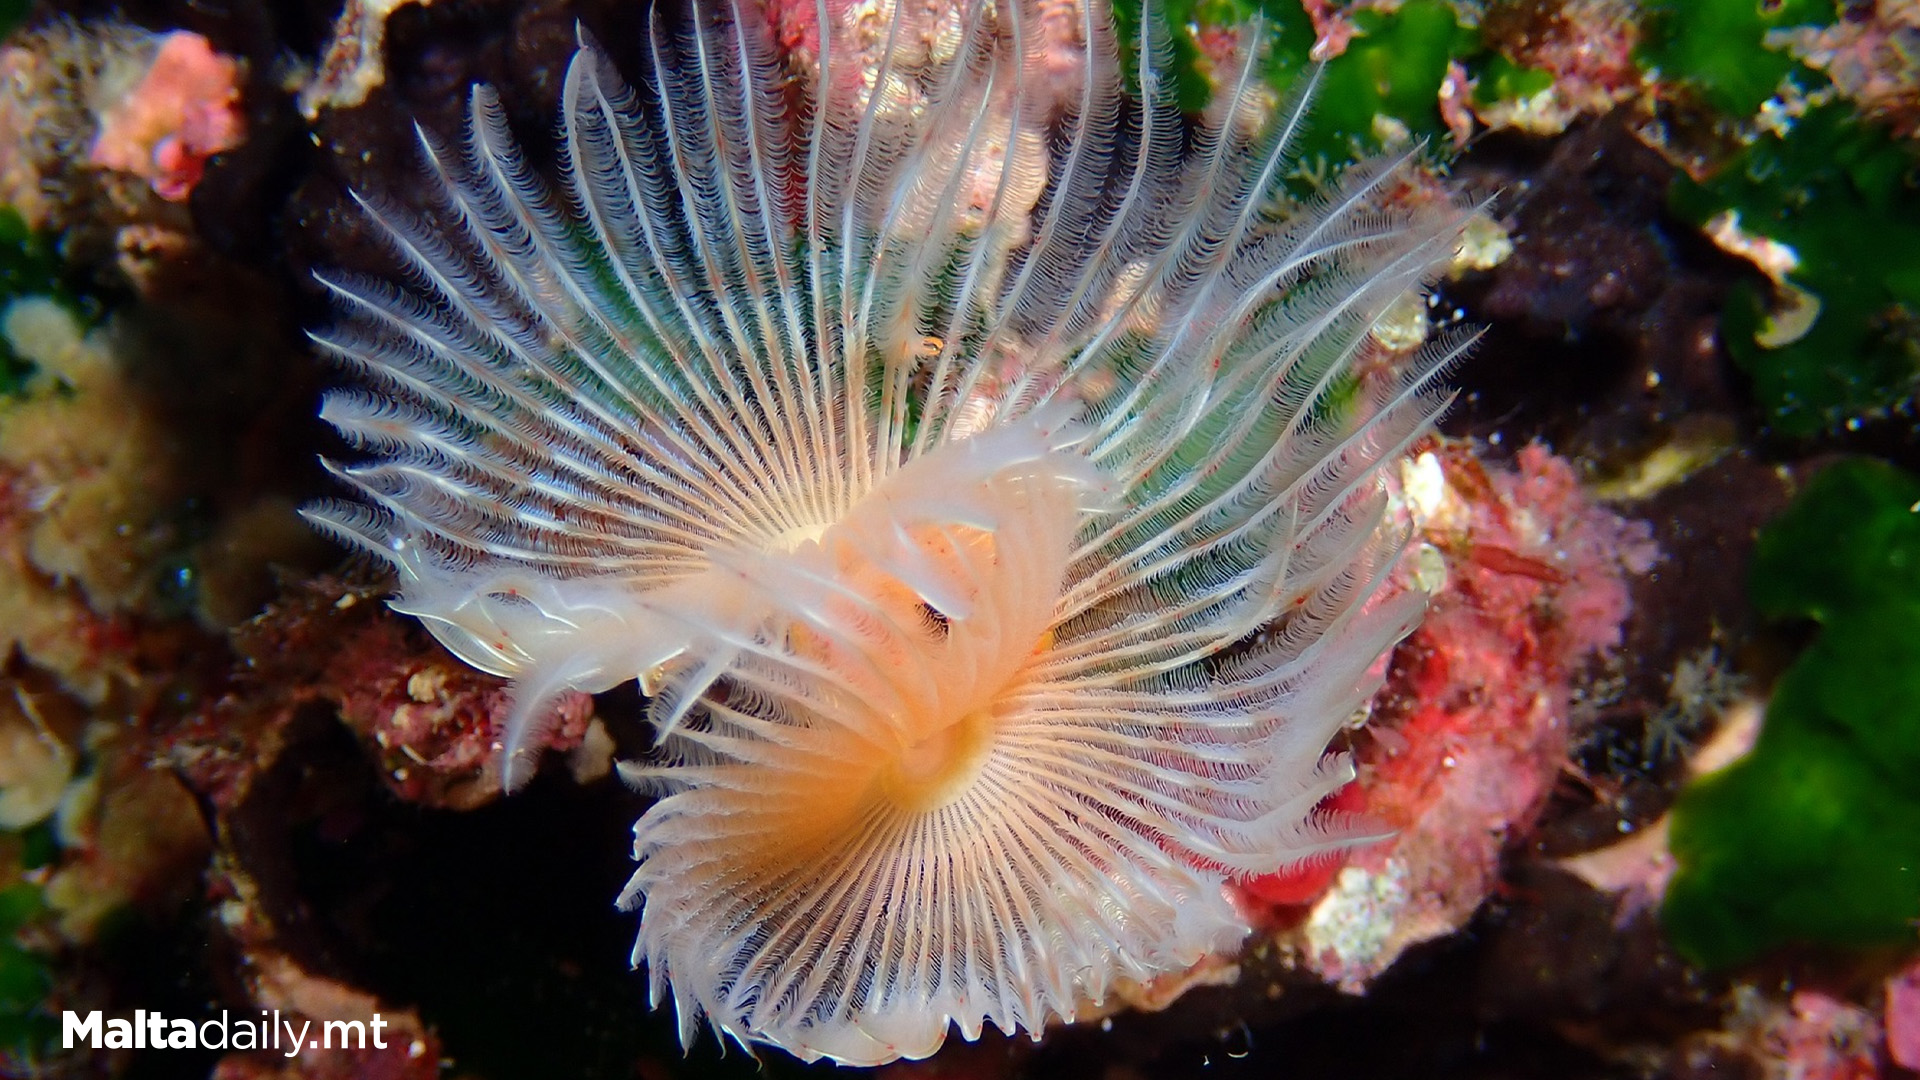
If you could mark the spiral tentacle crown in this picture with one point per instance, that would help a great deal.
(973, 462)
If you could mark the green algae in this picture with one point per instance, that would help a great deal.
(1391, 70)
(1844, 195)
(1383, 89)
(28, 267)
(1815, 836)
(27, 263)
(1839, 341)
(26, 1029)
(1718, 47)
(1503, 80)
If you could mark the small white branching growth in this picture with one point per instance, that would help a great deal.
(974, 467)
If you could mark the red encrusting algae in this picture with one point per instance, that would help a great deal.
(182, 111)
(434, 722)
(1476, 719)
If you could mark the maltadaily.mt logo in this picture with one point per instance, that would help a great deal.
(156, 1031)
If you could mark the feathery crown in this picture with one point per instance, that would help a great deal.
(972, 464)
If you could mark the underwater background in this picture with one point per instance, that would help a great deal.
(1651, 764)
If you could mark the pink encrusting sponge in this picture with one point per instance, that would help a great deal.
(973, 465)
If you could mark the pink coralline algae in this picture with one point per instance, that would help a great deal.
(1873, 57)
(1475, 721)
(181, 112)
(1332, 28)
(436, 720)
(1814, 1037)
(433, 722)
(1903, 1018)
(1586, 45)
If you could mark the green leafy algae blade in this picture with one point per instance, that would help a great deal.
(1815, 836)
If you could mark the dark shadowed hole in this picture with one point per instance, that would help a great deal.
(498, 923)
